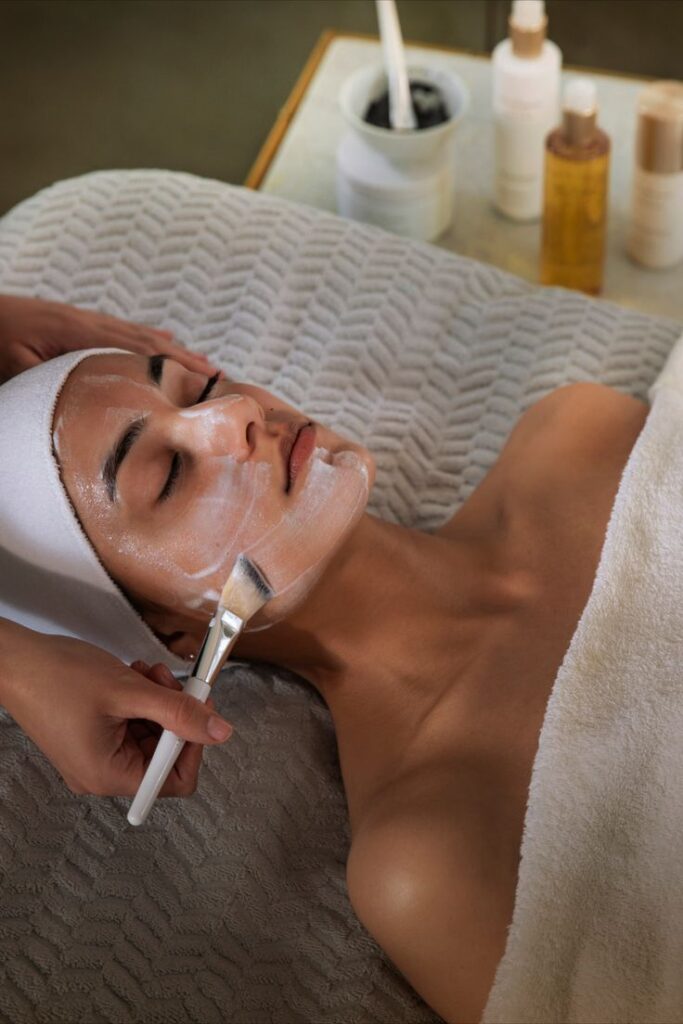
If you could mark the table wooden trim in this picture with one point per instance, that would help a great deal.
(269, 149)
(276, 134)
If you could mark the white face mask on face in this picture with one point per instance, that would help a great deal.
(234, 500)
(291, 549)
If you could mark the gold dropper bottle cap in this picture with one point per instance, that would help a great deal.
(659, 137)
(579, 111)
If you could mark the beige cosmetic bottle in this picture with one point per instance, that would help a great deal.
(575, 194)
(655, 235)
(526, 103)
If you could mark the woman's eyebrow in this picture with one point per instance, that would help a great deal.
(155, 368)
(118, 453)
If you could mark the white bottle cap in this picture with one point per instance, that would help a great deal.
(528, 14)
(580, 96)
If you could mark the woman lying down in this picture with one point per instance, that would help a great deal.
(435, 653)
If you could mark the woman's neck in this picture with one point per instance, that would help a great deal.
(400, 620)
(390, 605)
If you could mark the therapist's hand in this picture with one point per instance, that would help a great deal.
(96, 719)
(34, 330)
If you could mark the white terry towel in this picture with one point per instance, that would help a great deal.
(597, 929)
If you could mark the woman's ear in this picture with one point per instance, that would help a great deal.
(183, 636)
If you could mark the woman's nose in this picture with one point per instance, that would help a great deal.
(222, 426)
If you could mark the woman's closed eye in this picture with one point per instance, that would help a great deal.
(176, 461)
(210, 385)
(172, 478)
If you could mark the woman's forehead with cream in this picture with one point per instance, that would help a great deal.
(101, 396)
(94, 376)
(100, 370)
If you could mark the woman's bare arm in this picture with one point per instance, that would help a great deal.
(436, 914)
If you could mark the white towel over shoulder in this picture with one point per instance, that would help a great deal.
(597, 930)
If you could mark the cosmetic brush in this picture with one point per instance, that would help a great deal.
(401, 113)
(246, 591)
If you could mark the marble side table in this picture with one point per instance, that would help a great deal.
(297, 162)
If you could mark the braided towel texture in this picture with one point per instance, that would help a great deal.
(232, 906)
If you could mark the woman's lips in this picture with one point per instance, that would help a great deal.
(300, 453)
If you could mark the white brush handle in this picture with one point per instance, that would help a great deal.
(165, 756)
(401, 113)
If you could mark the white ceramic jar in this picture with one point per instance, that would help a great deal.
(399, 180)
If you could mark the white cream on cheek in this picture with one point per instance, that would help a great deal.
(213, 528)
(290, 545)
(294, 553)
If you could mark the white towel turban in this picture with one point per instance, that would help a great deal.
(51, 579)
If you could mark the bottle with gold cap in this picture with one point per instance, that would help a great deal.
(655, 235)
(526, 104)
(575, 194)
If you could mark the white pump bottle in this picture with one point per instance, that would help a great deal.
(526, 106)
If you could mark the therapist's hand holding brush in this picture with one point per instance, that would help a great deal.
(97, 720)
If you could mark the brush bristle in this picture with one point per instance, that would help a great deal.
(247, 589)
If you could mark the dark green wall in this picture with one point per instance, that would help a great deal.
(196, 84)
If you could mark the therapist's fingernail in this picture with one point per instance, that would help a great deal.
(218, 728)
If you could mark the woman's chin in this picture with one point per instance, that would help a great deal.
(363, 455)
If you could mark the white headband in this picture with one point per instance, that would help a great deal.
(51, 579)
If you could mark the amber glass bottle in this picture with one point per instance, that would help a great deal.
(575, 194)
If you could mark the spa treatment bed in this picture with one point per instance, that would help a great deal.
(231, 905)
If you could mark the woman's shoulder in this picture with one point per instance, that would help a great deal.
(581, 421)
(575, 428)
(588, 397)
